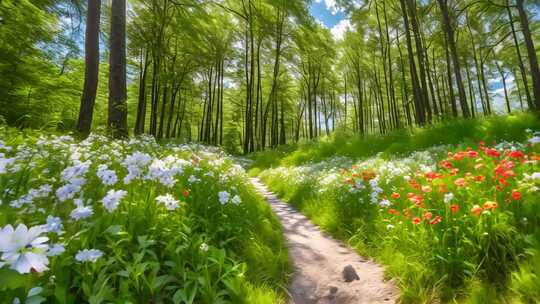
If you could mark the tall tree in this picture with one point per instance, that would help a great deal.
(531, 51)
(91, 71)
(117, 121)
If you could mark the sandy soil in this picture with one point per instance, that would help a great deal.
(319, 261)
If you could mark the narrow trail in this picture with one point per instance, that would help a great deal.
(319, 262)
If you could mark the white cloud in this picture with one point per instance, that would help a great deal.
(331, 6)
(339, 30)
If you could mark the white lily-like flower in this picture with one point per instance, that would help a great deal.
(169, 201)
(24, 249)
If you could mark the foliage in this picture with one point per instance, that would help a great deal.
(162, 223)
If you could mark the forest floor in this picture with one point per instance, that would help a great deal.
(320, 261)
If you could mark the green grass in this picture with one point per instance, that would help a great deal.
(400, 142)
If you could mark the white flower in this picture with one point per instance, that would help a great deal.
(56, 249)
(448, 197)
(24, 249)
(54, 224)
(204, 247)
(88, 255)
(192, 179)
(385, 203)
(534, 140)
(169, 201)
(112, 199)
(236, 200)
(535, 175)
(223, 197)
(390, 226)
(108, 177)
(82, 211)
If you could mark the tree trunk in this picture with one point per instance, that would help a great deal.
(533, 59)
(91, 70)
(117, 121)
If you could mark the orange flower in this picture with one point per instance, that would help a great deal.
(489, 205)
(479, 178)
(454, 208)
(348, 180)
(428, 215)
(446, 164)
(436, 220)
(394, 212)
(516, 195)
(476, 210)
(460, 182)
(186, 192)
(426, 189)
(443, 188)
(395, 195)
(433, 175)
(416, 220)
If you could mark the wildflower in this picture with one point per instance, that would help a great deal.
(169, 201)
(204, 247)
(390, 227)
(516, 154)
(108, 177)
(516, 195)
(479, 178)
(476, 210)
(492, 152)
(186, 192)
(236, 200)
(489, 205)
(416, 220)
(454, 208)
(448, 197)
(460, 182)
(394, 212)
(56, 249)
(112, 199)
(426, 189)
(24, 249)
(472, 154)
(54, 224)
(534, 140)
(88, 255)
(82, 211)
(428, 215)
(224, 197)
(436, 220)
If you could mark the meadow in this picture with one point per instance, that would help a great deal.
(451, 210)
(132, 221)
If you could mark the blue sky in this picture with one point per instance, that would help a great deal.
(322, 11)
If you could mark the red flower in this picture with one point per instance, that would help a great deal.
(460, 182)
(394, 212)
(454, 208)
(416, 220)
(516, 154)
(479, 178)
(433, 175)
(446, 164)
(472, 154)
(186, 192)
(436, 220)
(492, 152)
(516, 195)
(395, 195)
(348, 180)
(476, 210)
(428, 215)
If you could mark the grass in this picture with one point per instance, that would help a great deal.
(466, 258)
(400, 142)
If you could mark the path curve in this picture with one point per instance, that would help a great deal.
(319, 261)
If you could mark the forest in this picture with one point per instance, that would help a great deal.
(142, 142)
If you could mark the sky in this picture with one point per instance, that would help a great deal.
(328, 14)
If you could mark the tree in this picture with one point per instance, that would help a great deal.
(91, 71)
(117, 121)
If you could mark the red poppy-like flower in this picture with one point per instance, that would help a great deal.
(479, 178)
(472, 154)
(433, 175)
(516, 154)
(516, 195)
(394, 212)
(459, 156)
(454, 171)
(492, 152)
(503, 182)
(476, 210)
(395, 195)
(489, 205)
(186, 192)
(460, 182)
(454, 208)
(416, 220)
(436, 220)
(428, 215)
(446, 164)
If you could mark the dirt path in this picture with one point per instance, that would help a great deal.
(319, 261)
